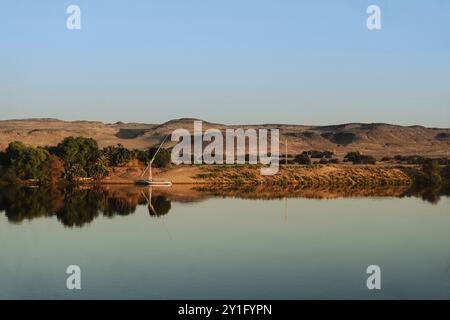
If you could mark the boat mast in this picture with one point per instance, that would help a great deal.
(149, 166)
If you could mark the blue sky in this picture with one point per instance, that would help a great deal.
(259, 61)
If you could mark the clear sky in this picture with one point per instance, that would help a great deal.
(229, 61)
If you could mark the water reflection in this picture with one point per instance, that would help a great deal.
(431, 194)
(157, 206)
(76, 207)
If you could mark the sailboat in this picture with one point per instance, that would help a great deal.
(149, 181)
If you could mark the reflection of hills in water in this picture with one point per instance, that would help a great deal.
(79, 206)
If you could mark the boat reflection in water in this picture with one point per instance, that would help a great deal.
(224, 243)
(157, 206)
(76, 207)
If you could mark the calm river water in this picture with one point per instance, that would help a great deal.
(221, 247)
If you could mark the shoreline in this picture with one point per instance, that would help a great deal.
(248, 175)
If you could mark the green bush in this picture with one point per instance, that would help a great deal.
(74, 172)
(315, 154)
(78, 150)
(357, 158)
(99, 169)
(79, 155)
(352, 156)
(303, 159)
(26, 162)
(118, 155)
(411, 159)
(141, 155)
(431, 169)
(162, 159)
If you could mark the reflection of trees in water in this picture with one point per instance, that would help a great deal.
(160, 205)
(118, 206)
(25, 203)
(80, 207)
(77, 207)
(157, 205)
(72, 207)
(430, 194)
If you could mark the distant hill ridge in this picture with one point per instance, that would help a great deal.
(378, 139)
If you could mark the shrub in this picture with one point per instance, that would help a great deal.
(118, 155)
(79, 155)
(78, 151)
(352, 156)
(315, 154)
(411, 159)
(99, 169)
(302, 159)
(358, 158)
(26, 162)
(431, 170)
(366, 160)
(328, 161)
(162, 159)
(141, 155)
(74, 172)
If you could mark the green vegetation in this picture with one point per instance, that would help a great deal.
(315, 154)
(419, 160)
(357, 158)
(118, 155)
(327, 161)
(74, 158)
(325, 157)
(82, 158)
(99, 168)
(21, 162)
(303, 159)
(78, 151)
(162, 159)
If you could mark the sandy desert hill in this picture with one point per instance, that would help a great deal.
(377, 139)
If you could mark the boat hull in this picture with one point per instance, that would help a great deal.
(153, 183)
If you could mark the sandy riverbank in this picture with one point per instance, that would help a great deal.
(317, 175)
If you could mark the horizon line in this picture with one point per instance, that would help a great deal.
(220, 123)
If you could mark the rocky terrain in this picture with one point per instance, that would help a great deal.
(377, 139)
